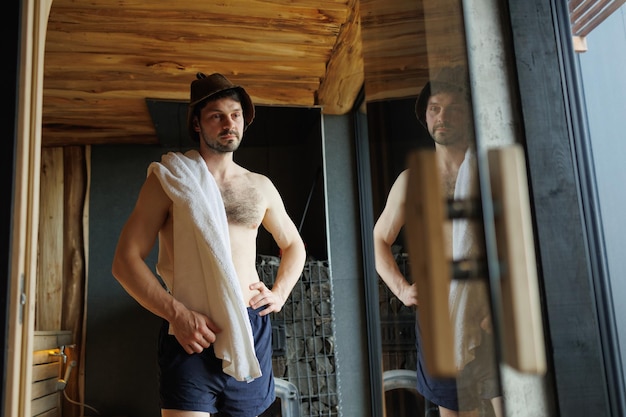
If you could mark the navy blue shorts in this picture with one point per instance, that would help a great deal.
(478, 381)
(196, 382)
(439, 391)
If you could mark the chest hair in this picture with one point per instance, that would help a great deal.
(242, 203)
(448, 183)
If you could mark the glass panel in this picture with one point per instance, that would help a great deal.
(418, 99)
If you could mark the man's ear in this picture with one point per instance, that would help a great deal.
(196, 124)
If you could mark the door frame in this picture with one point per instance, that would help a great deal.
(11, 19)
(587, 357)
(32, 18)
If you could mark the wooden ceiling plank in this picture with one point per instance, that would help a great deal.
(109, 81)
(225, 49)
(585, 18)
(69, 138)
(573, 4)
(179, 27)
(583, 9)
(302, 94)
(584, 28)
(193, 9)
(137, 68)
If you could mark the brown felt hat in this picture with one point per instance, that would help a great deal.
(448, 79)
(206, 86)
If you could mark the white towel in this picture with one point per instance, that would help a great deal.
(468, 298)
(204, 277)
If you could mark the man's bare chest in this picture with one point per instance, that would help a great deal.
(243, 203)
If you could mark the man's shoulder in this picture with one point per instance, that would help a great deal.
(402, 178)
(256, 177)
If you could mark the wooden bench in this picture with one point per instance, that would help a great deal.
(48, 369)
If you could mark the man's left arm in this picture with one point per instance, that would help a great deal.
(293, 254)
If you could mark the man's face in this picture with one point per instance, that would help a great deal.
(221, 124)
(447, 117)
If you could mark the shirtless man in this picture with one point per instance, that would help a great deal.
(443, 108)
(445, 115)
(192, 383)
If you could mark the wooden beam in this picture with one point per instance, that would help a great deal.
(344, 74)
(74, 264)
(580, 43)
(524, 345)
(34, 15)
(50, 244)
(429, 253)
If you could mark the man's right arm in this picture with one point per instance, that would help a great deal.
(386, 231)
(192, 330)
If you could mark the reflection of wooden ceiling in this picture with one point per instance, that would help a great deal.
(406, 41)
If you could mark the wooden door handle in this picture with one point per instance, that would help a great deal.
(430, 265)
(522, 329)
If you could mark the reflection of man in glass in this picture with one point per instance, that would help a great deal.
(443, 108)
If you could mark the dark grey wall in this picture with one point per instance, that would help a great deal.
(285, 144)
(346, 265)
(120, 359)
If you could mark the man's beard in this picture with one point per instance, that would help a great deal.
(450, 137)
(217, 146)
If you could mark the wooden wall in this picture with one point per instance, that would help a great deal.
(61, 269)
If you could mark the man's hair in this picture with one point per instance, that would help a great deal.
(448, 80)
(445, 87)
